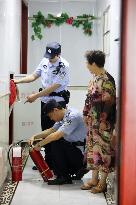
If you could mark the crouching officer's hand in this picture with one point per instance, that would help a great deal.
(37, 147)
(31, 140)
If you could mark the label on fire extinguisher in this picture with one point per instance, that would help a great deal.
(17, 152)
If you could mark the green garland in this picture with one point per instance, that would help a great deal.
(39, 20)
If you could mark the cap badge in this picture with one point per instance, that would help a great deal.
(49, 50)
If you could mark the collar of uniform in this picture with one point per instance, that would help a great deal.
(67, 112)
(52, 65)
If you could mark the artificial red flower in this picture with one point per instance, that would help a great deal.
(69, 20)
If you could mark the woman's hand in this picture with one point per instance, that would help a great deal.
(106, 97)
(102, 127)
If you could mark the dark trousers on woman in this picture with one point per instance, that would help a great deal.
(46, 123)
(67, 158)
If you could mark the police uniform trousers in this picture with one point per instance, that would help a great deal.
(46, 123)
(67, 158)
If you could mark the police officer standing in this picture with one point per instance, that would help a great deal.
(66, 138)
(53, 70)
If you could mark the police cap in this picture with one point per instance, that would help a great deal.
(52, 49)
(50, 105)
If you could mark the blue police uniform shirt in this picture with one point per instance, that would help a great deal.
(72, 125)
(53, 73)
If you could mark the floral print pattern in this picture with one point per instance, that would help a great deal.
(100, 111)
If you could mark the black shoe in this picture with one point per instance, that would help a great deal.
(34, 168)
(60, 181)
(79, 175)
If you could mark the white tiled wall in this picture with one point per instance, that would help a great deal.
(77, 97)
(4, 136)
(10, 18)
(26, 116)
(112, 64)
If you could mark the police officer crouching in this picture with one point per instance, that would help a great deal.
(65, 137)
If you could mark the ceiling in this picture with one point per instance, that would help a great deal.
(27, 1)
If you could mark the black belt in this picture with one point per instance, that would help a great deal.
(78, 143)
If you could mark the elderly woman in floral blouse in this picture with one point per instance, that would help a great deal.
(99, 116)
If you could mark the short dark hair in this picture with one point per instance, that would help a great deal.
(97, 57)
(50, 105)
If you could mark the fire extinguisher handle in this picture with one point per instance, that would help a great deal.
(31, 147)
(19, 142)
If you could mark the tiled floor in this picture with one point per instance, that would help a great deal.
(32, 190)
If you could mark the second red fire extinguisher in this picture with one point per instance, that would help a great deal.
(15, 161)
(41, 165)
(16, 164)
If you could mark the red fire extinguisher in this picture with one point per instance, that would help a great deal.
(41, 165)
(13, 93)
(15, 161)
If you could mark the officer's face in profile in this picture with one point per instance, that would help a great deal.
(53, 59)
(55, 115)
